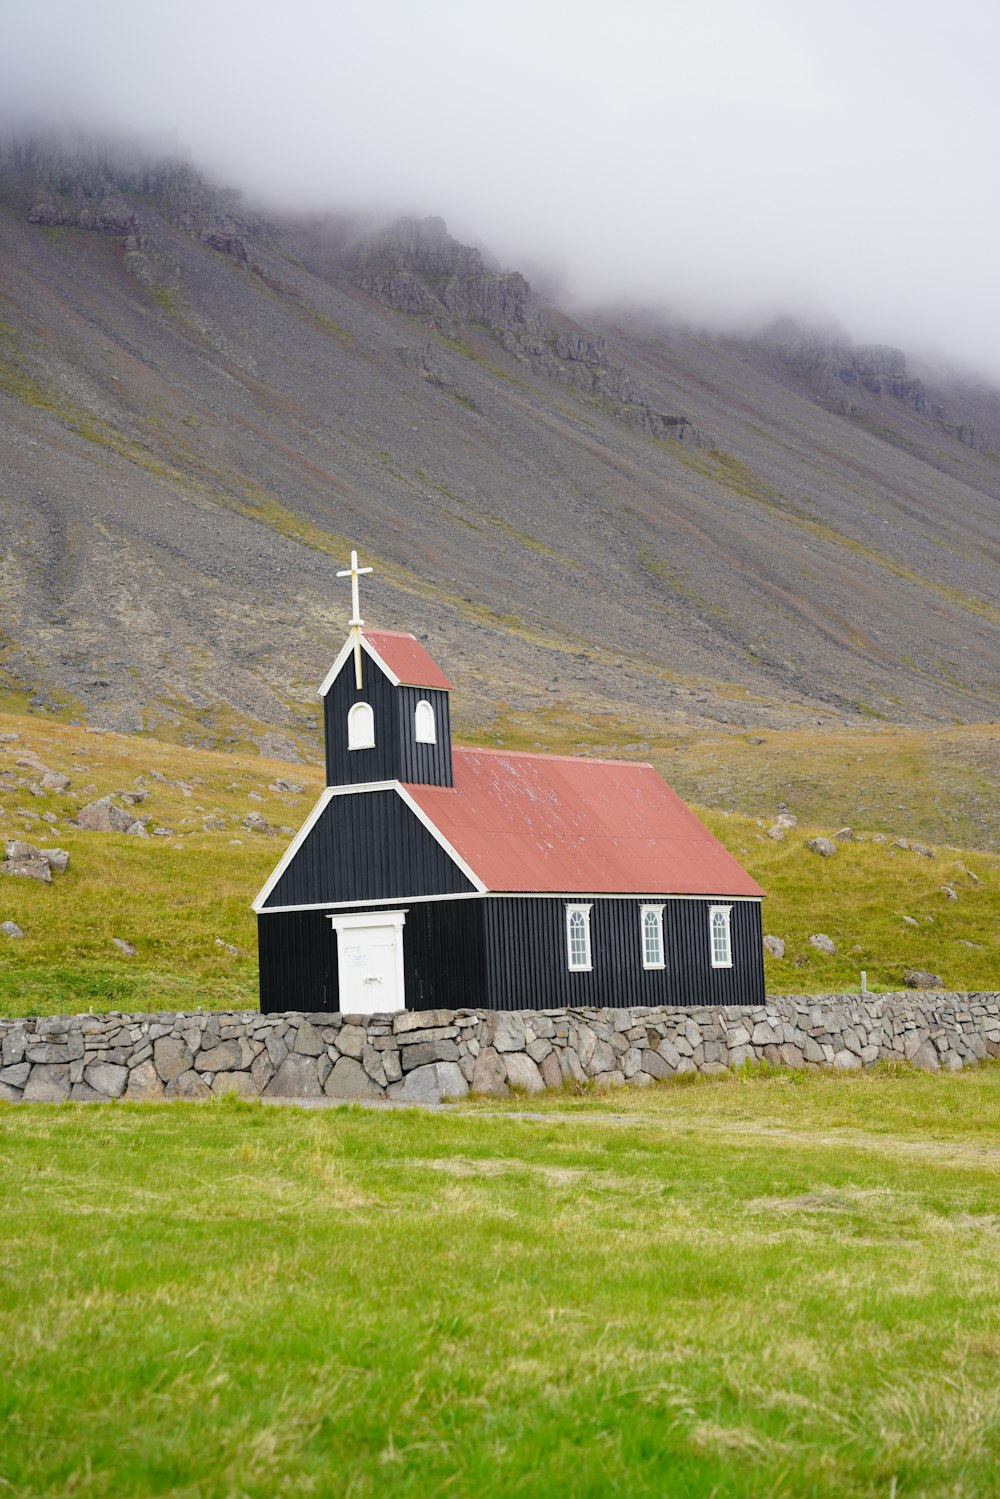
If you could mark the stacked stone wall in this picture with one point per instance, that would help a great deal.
(424, 1056)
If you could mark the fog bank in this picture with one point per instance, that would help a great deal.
(729, 162)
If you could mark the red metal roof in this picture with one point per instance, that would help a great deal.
(406, 659)
(558, 824)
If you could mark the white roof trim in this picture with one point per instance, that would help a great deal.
(347, 651)
(339, 905)
(311, 820)
(345, 905)
(432, 828)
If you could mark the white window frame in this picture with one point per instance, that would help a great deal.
(361, 727)
(425, 722)
(587, 965)
(726, 913)
(657, 913)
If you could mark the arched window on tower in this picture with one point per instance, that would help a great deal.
(423, 723)
(361, 727)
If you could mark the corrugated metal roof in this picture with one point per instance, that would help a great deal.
(406, 659)
(557, 824)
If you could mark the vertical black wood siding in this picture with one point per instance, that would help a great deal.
(424, 764)
(510, 954)
(367, 846)
(298, 962)
(396, 755)
(527, 965)
(443, 958)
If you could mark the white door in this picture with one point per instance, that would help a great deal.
(370, 961)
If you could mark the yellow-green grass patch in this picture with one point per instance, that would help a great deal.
(184, 900)
(738, 1288)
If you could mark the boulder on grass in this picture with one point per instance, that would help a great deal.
(256, 822)
(774, 946)
(822, 943)
(105, 816)
(30, 866)
(825, 847)
(16, 848)
(920, 978)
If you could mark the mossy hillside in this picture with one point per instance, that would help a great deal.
(738, 478)
(184, 900)
(276, 406)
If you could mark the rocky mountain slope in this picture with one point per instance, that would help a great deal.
(202, 408)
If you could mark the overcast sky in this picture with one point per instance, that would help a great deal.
(728, 160)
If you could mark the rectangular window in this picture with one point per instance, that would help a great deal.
(578, 938)
(722, 949)
(652, 936)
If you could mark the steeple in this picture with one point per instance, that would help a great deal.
(385, 707)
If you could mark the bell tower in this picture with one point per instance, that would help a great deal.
(385, 707)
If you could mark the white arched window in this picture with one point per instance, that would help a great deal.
(423, 723)
(722, 950)
(652, 937)
(578, 938)
(361, 727)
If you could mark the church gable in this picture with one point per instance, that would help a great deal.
(359, 847)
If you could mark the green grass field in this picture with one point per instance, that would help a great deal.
(184, 900)
(743, 1287)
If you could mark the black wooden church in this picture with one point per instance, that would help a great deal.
(429, 876)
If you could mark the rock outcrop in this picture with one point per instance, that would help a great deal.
(90, 184)
(842, 375)
(417, 267)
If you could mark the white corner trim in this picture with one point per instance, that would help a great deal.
(432, 828)
(348, 650)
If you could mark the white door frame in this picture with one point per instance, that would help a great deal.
(394, 919)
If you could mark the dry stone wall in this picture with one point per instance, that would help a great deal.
(424, 1056)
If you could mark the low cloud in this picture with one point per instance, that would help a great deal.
(725, 161)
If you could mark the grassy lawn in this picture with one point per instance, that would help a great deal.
(751, 1286)
(183, 900)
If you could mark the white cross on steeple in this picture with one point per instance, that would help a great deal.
(357, 623)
